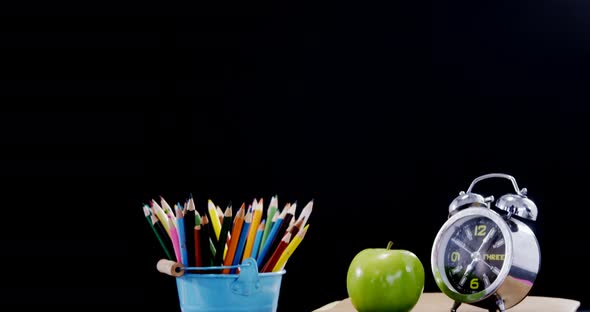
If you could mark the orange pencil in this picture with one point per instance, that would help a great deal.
(235, 233)
(270, 264)
(257, 207)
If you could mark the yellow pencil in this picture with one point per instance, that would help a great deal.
(253, 229)
(159, 212)
(214, 218)
(289, 250)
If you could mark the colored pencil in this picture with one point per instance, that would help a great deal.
(290, 249)
(286, 223)
(228, 240)
(283, 229)
(258, 239)
(220, 215)
(214, 218)
(152, 220)
(189, 227)
(163, 235)
(236, 230)
(280, 232)
(175, 240)
(223, 235)
(181, 234)
(167, 209)
(270, 264)
(271, 236)
(162, 216)
(197, 246)
(205, 251)
(197, 217)
(212, 249)
(270, 213)
(242, 240)
(306, 212)
(295, 228)
(257, 208)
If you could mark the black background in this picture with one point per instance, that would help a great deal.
(382, 113)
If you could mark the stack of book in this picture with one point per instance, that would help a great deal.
(438, 302)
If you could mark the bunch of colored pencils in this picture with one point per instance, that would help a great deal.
(220, 239)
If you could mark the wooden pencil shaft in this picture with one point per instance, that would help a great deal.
(213, 252)
(197, 246)
(257, 240)
(270, 214)
(280, 234)
(266, 250)
(280, 264)
(276, 254)
(227, 218)
(164, 236)
(205, 250)
(236, 230)
(189, 226)
(214, 218)
(257, 215)
(242, 241)
(168, 256)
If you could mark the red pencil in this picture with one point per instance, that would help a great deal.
(270, 264)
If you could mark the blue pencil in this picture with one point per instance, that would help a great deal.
(181, 234)
(269, 240)
(242, 241)
(258, 239)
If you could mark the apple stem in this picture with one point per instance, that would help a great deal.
(389, 245)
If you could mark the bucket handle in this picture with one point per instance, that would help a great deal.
(247, 281)
(213, 268)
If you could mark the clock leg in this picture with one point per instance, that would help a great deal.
(455, 306)
(500, 304)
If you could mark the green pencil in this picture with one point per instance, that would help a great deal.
(270, 213)
(151, 220)
(197, 218)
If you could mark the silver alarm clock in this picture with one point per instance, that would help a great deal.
(487, 256)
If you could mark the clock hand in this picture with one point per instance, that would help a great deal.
(467, 272)
(491, 267)
(461, 244)
(486, 239)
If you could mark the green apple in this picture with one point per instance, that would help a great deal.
(385, 279)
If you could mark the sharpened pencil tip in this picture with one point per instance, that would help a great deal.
(190, 195)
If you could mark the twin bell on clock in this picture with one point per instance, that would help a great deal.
(486, 254)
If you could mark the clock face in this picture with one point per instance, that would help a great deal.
(474, 254)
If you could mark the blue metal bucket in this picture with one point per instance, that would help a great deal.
(246, 291)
